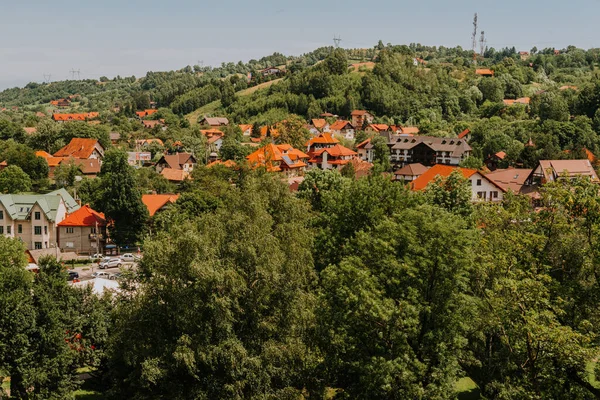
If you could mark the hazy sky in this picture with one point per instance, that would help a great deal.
(131, 37)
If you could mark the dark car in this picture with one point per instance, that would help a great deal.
(73, 275)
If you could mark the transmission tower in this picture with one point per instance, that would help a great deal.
(474, 39)
(47, 78)
(73, 72)
(482, 43)
(336, 41)
(200, 63)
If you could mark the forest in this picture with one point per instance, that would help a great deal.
(346, 289)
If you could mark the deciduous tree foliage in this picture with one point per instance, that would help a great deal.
(14, 180)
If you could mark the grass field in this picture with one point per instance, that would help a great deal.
(211, 108)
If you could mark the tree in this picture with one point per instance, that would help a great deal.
(121, 200)
(317, 183)
(292, 132)
(471, 162)
(14, 180)
(337, 62)
(66, 174)
(492, 89)
(390, 313)
(237, 301)
(24, 157)
(452, 193)
(551, 106)
(227, 94)
(381, 153)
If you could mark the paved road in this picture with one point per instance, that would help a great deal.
(86, 271)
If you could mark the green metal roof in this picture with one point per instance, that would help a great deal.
(19, 206)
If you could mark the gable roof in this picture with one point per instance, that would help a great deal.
(438, 170)
(415, 169)
(323, 138)
(175, 161)
(484, 72)
(85, 216)
(215, 121)
(360, 112)
(456, 147)
(245, 127)
(273, 157)
(18, 206)
(341, 124)
(319, 123)
(379, 127)
(155, 202)
(464, 133)
(509, 179)
(75, 117)
(363, 144)
(573, 168)
(79, 148)
(175, 175)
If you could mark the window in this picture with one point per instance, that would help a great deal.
(46, 230)
(38, 215)
(45, 245)
(69, 230)
(9, 229)
(38, 245)
(495, 194)
(93, 230)
(19, 228)
(1, 230)
(37, 230)
(481, 195)
(478, 182)
(1, 214)
(70, 245)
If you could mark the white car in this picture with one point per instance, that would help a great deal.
(101, 274)
(111, 263)
(96, 256)
(128, 257)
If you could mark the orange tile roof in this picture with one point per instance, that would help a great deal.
(175, 175)
(438, 170)
(43, 154)
(336, 151)
(410, 130)
(359, 112)
(363, 143)
(54, 161)
(228, 164)
(484, 72)
(379, 127)
(323, 138)
(145, 113)
(319, 123)
(245, 127)
(271, 156)
(145, 142)
(273, 132)
(85, 216)
(464, 133)
(339, 125)
(75, 117)
(500, 155)
(155, 202)
(78, 148)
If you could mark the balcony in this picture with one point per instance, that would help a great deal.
(96, 236)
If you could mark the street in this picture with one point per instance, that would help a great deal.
(86, 271)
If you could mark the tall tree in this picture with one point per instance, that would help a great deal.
(14, 180)
(121, 200)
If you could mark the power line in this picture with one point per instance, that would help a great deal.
(47, 78)
(73, 72)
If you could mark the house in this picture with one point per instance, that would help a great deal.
(466, 135)
(142, 143)
(40, 114)
(365, 150)
(493, 161)
(227, 164)
(334, 157)
(484, 72)
(151, 124)
(145, 113)
(377, 128)
(482, 189)
(361, 168)
(82, 148)
(360, 117)
(175, 175)
(511, 179)
(138, 158)
(33, 218)
(428, 150)
(114, 137)
(214, 138)
(75, 117)
(524, 55)
(279, 158)
(246, 129)
(522, 100)
(343, 128)
(410, 172)
(322, 141)
(567, 87)
(321, 124)
(158, 202)
(178, 161)
(89, 168)
(214, 122)
(82, 231)
(553, 170)
(61, 103)
(270, 71)
(408, 130)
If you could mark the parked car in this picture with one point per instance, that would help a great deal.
(111, 263)
(115, 277)
(128, 257)
(73, 275)
(96, 256)
(101, 274)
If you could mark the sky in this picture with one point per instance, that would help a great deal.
(132, 37)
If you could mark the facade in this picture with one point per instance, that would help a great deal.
(179, 161)
(359, 117)
(552, 170)
(365, 150)
(410, 172)
(33, 218)
(82, 231)
(214, 122)
(343, 128)
(427, 150)
(138, 158)
(334, 157)
(482, 188)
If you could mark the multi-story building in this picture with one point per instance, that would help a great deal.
(33, 218)
(82, 231)
(427, 150)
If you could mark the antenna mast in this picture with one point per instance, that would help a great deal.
(474, 39)
(482, 43)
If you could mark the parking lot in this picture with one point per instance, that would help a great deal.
(85, 272)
